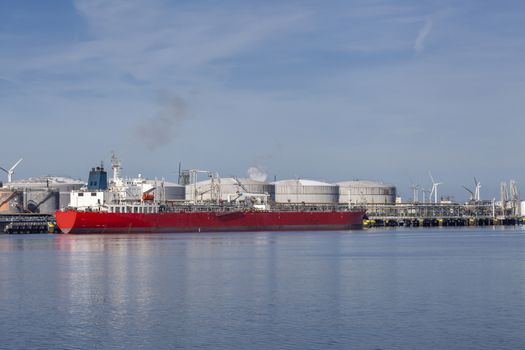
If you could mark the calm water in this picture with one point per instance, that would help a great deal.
(375, 289)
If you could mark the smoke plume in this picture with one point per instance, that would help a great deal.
(163, 127)
(257, 173)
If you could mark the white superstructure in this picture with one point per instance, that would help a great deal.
(125, 190)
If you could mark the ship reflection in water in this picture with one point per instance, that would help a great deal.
(441, 289)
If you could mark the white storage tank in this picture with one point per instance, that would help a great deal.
(305, 191)
(227, 188)
(366, 192)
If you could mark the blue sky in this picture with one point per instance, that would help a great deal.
(331, 90)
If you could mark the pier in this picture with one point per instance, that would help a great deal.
(439, 214)
(27, 223)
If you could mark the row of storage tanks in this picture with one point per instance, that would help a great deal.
(46, 195)
(285, 191)
(298, 191)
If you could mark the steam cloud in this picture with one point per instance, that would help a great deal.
(257, 173)
(162, 129)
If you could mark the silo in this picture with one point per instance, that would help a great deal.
(227, 188)
(366, 192)
(305, 191)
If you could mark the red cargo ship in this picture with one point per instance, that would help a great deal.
(73, 221)
(131, 206)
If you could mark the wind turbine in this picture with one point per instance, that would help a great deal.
(416, 193)
(477, 196)
(416, 189)
(434, 188)
(425, 192)
(11, 171)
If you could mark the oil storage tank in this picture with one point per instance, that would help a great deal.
(226, 189)
(366, 192)
(305, 191)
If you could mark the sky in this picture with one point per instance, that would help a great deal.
(326, 90)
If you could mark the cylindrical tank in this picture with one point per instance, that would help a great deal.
(41, 201)
(366, 192)
(227, 188)
(305, 191)
(170, 191)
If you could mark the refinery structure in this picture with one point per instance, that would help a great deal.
(46, 194)
(39, 195)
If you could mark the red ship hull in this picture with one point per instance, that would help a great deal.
(72, 221)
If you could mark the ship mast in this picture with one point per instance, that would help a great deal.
(115, 165)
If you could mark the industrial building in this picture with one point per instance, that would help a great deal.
(43, 194)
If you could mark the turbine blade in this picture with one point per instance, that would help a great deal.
(14, 166)
(7, 172)
(431, 178)
(471, 192)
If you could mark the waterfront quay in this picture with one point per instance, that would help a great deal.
(440, 214)
(27, 223)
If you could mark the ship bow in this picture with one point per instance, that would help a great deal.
(66, 220)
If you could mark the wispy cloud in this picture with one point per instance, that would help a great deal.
(419, 45)
(146, 39)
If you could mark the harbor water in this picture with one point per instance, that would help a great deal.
(419, 288)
